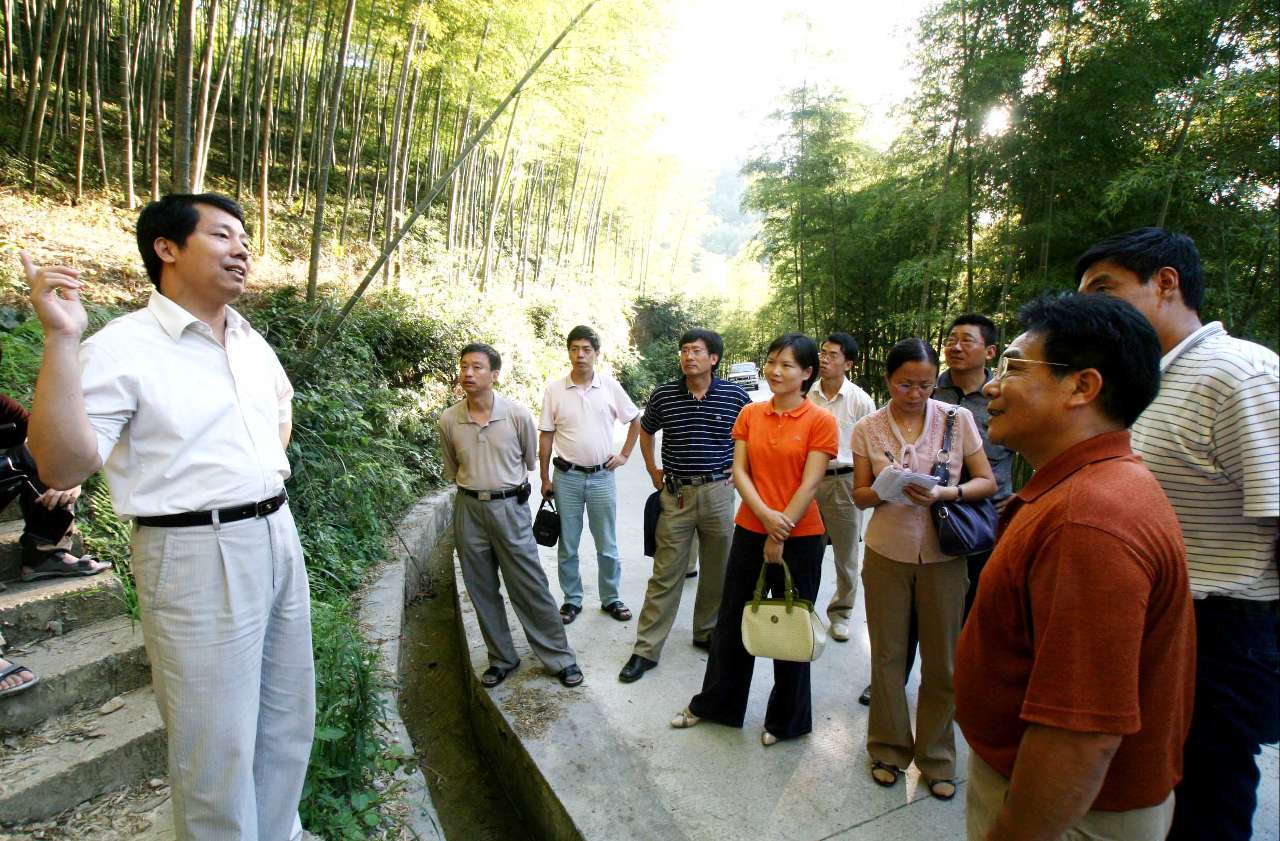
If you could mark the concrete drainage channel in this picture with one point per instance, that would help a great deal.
(483, 784)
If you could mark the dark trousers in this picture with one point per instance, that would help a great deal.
(727, 683)
(1237, 708)
(18, 478)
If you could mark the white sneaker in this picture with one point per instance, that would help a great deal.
(840, 631)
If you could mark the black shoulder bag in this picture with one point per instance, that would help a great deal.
(964, 528)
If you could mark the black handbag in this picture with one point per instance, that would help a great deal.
(963, 527)
(546, 526)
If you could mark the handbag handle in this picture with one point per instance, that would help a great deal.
(759, 593)
(546, 500)
(942, 466)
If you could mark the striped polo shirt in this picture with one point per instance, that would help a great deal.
(1211, 438)
(697, 435)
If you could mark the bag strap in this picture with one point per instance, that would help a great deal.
(546, 500)
(759, 591)
(942, 466)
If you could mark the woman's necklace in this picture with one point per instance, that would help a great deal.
(911, 429)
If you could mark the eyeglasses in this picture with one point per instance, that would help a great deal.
(827, 354)
(692, 351)
(1002, 368)
(963, 342)
(906, 388)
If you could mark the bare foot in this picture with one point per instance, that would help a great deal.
(16, 679)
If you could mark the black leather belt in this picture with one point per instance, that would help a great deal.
(704, 479)
(568, 465)
(225, 515)
(839, 471)
(1268, 608)
(485, 496)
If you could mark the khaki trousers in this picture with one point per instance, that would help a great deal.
(843, 521)
(704, 512)
(937, 592)
(988, 789)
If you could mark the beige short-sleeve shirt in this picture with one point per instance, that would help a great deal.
(494, 457)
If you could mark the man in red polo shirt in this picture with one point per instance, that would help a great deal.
(1074, 673)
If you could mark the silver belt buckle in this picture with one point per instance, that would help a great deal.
(484, 496)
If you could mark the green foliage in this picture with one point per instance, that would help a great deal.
(656, 334)
(350, 753)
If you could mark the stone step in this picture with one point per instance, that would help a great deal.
(80, 755)
(33, 612)
(87, 666)
(11, 550)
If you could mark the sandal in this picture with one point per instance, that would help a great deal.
(55, 565)
(15, 668)
(684, 719)
(618, 611)
(941, 789)
(494, 675)
(889, 772)
(569, 612)
(570, 675)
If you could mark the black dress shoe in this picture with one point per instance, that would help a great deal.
(705, 645)
(865, 697)
(635, 668)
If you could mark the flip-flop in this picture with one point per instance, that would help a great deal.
(570, 675)
(494, 675)
(943, 794)
(14, 668)
(569, 612)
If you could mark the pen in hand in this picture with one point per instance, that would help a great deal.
(892, 461)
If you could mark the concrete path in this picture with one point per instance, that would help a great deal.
(620, 771)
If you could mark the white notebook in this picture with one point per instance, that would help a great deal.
(890, 483)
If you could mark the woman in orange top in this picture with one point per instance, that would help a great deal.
(781, 451)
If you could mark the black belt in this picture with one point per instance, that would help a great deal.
(704, 479)
(567, 465)
(225, 515)
(839, 471)
(485, 496)
(1268, 608)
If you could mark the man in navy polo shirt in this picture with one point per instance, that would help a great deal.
(696, 414)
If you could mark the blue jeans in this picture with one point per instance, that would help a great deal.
(1237, 707)
(596, 494)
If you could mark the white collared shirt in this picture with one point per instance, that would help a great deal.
(184, 423)
(850, 405)
(582, 417)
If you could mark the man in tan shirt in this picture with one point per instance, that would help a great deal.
(490, 444)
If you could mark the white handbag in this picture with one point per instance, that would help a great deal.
(782, 629)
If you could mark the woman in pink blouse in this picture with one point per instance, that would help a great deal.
(904, 567)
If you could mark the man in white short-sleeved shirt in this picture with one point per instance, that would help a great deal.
(1212, 439)
(836, 393)
(578, 416)
(187, 410)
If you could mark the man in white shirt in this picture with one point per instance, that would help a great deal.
(578, 413)
(187, 409)
(836, 393)
(1212, 439)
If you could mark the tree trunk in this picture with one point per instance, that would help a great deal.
(184, 57)
(322, 182)
(126, 83)
(46, 81)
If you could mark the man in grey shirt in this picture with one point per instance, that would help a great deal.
(490, 444)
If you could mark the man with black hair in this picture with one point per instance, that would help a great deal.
(1073, 677)
(696, 414)
(578, 415)
(972, 342)
(187, 409)
(1212, 439)
(490, 444)
(838, 394)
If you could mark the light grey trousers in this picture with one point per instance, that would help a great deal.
(497, 535)
(843, 521)
(226, 618)
(704, 512)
